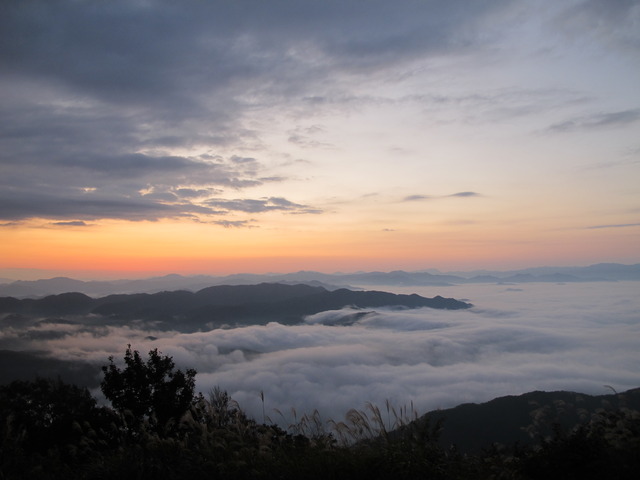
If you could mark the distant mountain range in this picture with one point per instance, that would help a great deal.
(213, 307)
(600, 272)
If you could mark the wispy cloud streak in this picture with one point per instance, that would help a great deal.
(620, 225)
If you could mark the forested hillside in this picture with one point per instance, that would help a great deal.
(158, 427)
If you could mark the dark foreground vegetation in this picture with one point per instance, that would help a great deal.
(158, 428)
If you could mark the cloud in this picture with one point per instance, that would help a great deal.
(261, 205)
(494, 105)
(465, 194)
(23, 204)
(416, 198)
(613, 21)
(127, 186)
(539, 337)
(174, 60)
(97, 94)
(630, 156)
(235, 223)
(303, 137)
(620, 225)
(196, 193)
(597, 121)
(73, 223)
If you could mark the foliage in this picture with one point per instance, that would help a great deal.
(52, 430)
(149, 390)
(606, 447)
(47, 425)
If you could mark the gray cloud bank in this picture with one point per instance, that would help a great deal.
(94, 94)
(537, 337)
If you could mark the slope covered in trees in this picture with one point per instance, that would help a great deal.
(159, 428)
(220, 305)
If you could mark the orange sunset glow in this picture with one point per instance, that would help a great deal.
(280, 147)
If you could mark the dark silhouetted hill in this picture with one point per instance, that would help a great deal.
(219, 305)
(523, 419)
(20, 365)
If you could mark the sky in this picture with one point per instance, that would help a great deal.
(580, 337)
(216, 137)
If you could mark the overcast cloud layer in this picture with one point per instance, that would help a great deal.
(95, 93)
(516, 339)
(142, 110)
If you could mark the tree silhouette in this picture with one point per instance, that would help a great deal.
(150, 390)
(43, 412)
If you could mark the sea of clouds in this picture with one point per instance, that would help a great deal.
(516, 338)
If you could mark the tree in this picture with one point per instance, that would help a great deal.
(43, 413)
(150, 390)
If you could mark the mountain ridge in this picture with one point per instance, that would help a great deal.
(522, 419)
(218, 306)
(597, 272)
